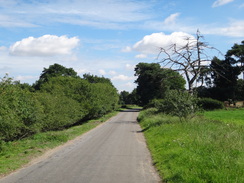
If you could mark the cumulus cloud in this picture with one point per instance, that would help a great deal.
(47, 45)
(221, 2)
(151, 44)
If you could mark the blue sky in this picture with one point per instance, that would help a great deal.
(107, 37)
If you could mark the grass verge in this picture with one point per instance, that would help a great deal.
(198, 150)
(14, 155)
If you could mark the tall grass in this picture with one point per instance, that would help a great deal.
(198, 150)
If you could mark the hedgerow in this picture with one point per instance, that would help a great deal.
(60, 102)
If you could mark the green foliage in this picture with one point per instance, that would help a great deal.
(54, 70)
(95, 99)
(153, 81)
(19, 115)
(237, 54)
(58, 111)
(96, 79)
(179, 103)
(60, 102)
(155, 103)
(209, 104)
(198, 151)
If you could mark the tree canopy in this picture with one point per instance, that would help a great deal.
(54, 70)
(153, 81)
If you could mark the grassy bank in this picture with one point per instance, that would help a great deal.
(199, 150)
(14, 155)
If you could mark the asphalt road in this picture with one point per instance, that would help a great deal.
(114, 152)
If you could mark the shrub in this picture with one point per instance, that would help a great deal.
(209, 104)
(155, 103)
(18, 111)
(179, 103)
(58, 111)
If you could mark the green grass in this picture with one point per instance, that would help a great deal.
(14, 155)
(231, 116)
(195, 151)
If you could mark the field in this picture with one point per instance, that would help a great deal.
(231, 116)
(198, 150)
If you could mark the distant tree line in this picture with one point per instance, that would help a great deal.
(59, 99)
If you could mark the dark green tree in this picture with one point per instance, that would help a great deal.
(123, 97)
(54, 71)
(96, 79)
(224, 75)
(153, 81)
(240, 89)
(236, 53)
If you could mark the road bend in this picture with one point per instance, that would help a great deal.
(114, 152)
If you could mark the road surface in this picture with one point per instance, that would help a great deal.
(114, 152)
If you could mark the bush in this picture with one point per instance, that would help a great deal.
(61, 102)
(155, 103)
(58, 111)
(179, 103)
(209, 104)
(18, 111)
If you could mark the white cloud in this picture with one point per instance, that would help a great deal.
(121, 78)
(130, 67)
(151, 44)
(141, 56)
(235, 28)
(221, 3)
(102, 72)
(26, 78)
(3, 48)
(11, 21)
(47, 45)
(171, 19)
(126, 49)
(96, 13)
(112, 73)
(130, 85)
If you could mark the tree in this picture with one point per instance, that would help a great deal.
(240, 89)
(54, 71)
(236, 53)
(224, 74)
(153, 81)
(190, 59)
(123, 97)
(96, 79)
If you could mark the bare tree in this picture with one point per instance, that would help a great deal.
(190, 59)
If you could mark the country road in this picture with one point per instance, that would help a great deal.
(114, 152)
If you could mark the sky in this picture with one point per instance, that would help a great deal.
(107, 37)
